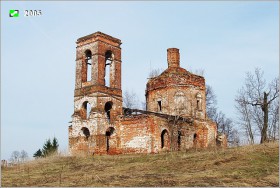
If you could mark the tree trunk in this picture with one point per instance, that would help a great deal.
(265, 118)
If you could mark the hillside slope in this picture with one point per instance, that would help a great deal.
(256, 165)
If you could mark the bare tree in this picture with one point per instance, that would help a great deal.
(211, 103)
(155, 72)
(245, 120)
(234, 138)
(224, 124)
(23, 155)
(130, 99)
(273, 129)
(199, 72)
(144, 105)
(255, 99)
(15, 157)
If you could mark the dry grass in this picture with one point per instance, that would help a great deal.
(244, 166)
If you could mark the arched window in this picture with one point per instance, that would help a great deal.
(107, 108)
(85, 132)
(88, 60)
(164, 138)
(85, 111)
(108, 134)
(108, 63)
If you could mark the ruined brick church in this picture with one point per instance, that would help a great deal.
(175, 116)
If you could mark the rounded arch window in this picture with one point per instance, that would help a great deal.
(108, 62)
(88, 54)
(110, 131)
(164, 138)
(85, 111)
(108, 106)
(85, 132)
(88, 61)
(109, 55)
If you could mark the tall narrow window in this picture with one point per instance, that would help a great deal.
(85, 111)
(89, 64)
(88, 110)
(164, 138)
(108, 63)
(107, 108)
(108, 134)
(159, 106)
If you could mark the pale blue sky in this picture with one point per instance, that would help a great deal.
(226, 39)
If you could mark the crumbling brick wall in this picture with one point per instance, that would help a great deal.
(176, 103)
(176, 91)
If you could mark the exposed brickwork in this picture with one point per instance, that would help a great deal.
(176, 108)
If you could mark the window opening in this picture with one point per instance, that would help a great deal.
(159, 106)
(194, 136)
(164, 138)
(107, 108)
(108, 134)
(85, 132)
(89, 64)
(108, 62)
(86, 110)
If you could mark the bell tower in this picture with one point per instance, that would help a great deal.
(98, 72)
(98, 94)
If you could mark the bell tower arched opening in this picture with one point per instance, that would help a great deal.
(85, 111)
(88, 61)
(108, 67)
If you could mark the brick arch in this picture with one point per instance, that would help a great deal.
(112, 49)
(79, 103)
(85, 110)
(108, 107)
(85, 132)
(86, 65)
(165, 139)
(110, 139)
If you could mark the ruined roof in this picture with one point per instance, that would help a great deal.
(97, 34)
(175, 76)
(129, 112)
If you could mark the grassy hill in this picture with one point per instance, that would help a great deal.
(256, 165)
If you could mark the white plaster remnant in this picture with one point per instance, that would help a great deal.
(138, 142)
